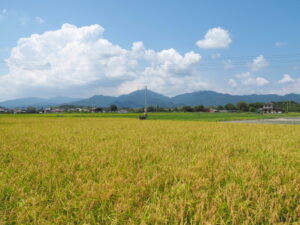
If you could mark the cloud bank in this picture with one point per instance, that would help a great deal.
(78, 61)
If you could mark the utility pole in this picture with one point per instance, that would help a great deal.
(145, 109)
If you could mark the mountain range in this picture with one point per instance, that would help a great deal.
(36, 102)
(136, 99)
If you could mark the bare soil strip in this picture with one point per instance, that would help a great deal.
(289, 120)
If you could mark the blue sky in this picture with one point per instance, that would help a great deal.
(251, 47)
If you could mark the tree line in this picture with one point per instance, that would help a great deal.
(285, 106)
(242, 106)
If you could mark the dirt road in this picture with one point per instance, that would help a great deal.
(288, 120)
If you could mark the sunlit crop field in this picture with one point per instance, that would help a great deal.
(180, 116)
(126, 171)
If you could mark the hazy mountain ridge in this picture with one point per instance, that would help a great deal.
(136, 99)
(36, 102)
(211, 98)
(95, 101)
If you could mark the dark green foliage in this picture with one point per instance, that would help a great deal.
(187, 109)
(220, 107)
(288, 106)
(199, 108)
(31, 110)
(242, 106)
(113, 108)
(256, 105)
(98, 109)
(230, 107)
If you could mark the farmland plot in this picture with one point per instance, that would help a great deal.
(126, 171)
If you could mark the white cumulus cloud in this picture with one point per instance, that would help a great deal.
(78, 61)
(259, 63)
(256, 81)
(247, 79)
(215, 38)
(286, 79)
(293, 87)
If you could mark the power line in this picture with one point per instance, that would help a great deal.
(275, 61)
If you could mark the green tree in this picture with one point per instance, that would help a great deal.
(252, 109)
(113, 108)
(150, 109)
(256, 105)
(187, 109)
(98, 109)
(31, 110)
(242, 106)
(220, 107)
(199, 108)
(176, 109)
(230, 107)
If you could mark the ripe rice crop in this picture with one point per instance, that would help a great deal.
(126, 171)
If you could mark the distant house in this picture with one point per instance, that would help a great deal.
(5, 110)
(47, 110)
(57, 110)
(16, 111)
(212, 110)
(270, 108)
(225, 111)
(123, 111)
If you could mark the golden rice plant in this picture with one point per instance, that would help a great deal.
(126, 171)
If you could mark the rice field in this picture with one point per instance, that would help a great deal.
(60, 170)
(178, 116)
